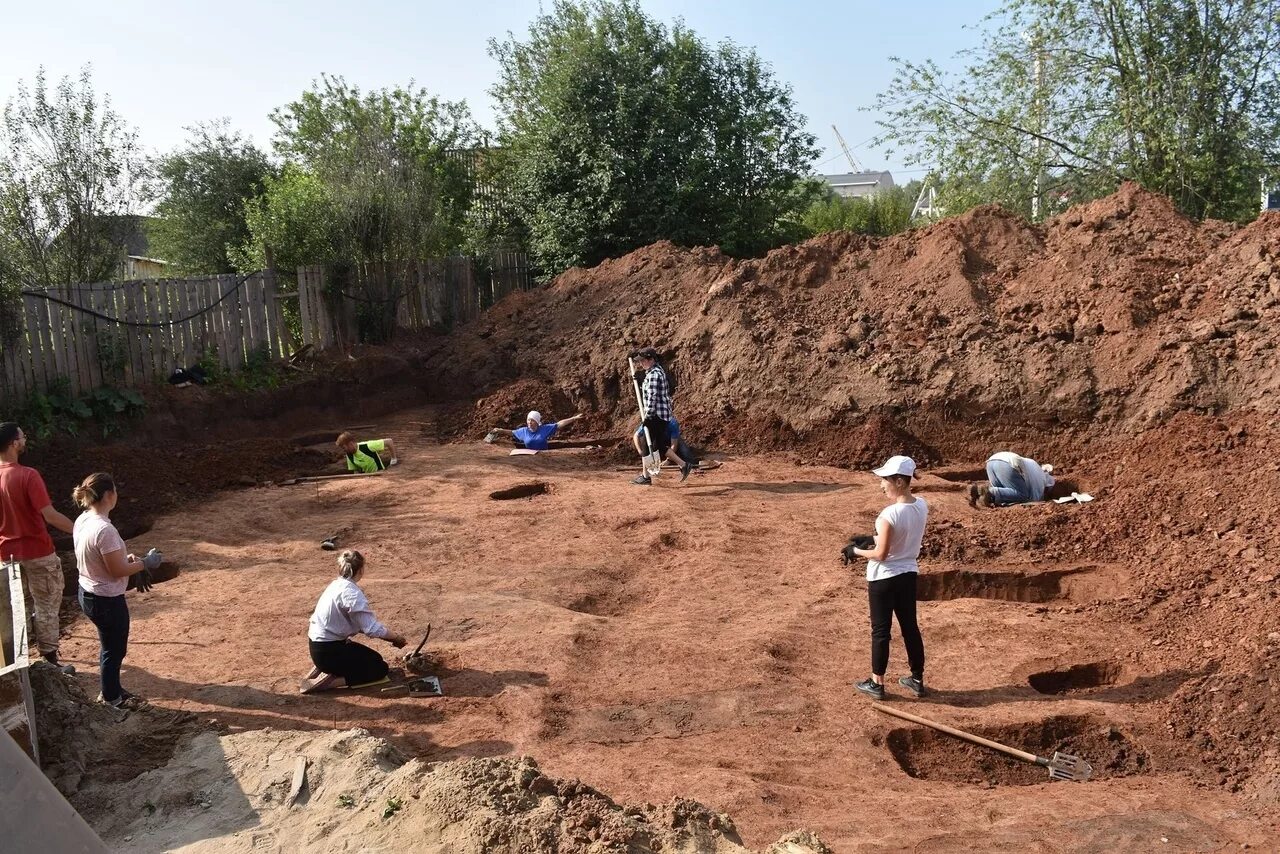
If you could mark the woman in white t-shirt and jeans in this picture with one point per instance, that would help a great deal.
(892, 570)
(105, 567)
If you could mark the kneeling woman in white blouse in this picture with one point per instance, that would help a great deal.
(342, 613)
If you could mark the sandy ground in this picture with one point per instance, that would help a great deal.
(694, 639)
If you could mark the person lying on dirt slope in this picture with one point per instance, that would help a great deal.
(366, 457)
(655, 393)
(677, 441)
(892, 571)
(1011, 480)
(343, 612)
(534, 434)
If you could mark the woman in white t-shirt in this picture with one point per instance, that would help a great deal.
(892, 570)
(342, 613)
(105, 567)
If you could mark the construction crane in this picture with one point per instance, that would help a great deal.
(853, 162)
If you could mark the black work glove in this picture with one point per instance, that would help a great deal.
(859, 542)
(141, 580)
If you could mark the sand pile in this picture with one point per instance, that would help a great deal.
(1117, 314)
(157, 780)
(230, 794)
(87, 748)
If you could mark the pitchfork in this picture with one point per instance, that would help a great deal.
(1062, 766)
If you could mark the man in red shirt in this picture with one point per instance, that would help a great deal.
(25, 513)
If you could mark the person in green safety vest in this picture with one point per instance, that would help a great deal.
(367, 457)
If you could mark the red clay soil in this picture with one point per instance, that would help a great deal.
(1113, 316)
(699, 641)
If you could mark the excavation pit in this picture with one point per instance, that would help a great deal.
(1001, 586)
(927, 754)
(523, 490)
(1076, 678)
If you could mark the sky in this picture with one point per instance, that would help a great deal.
(169, 65)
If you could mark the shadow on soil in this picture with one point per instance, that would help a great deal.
(1144, 689)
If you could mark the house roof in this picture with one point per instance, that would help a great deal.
(868, 178)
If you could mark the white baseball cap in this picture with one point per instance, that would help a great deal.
(535, 415)
(896, 465)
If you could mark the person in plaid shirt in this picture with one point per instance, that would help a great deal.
(656, 393)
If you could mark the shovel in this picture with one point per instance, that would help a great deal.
(414, 657)
(1062, 766)
(653, 461)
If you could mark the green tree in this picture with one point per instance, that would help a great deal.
(887, 212)
(69, 166)
(1065, 98)
(202, 190)
(620, 131)
(384, 160)
(296, 217)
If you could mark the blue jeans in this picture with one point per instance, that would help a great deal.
(1007, 485)
(110, 615)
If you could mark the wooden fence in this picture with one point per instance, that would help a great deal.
(362, 305)
(133, 333)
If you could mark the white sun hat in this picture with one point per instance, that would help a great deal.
(896, 465)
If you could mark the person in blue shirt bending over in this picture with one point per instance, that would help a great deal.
(534, 434)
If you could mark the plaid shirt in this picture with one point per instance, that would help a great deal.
(657, 394)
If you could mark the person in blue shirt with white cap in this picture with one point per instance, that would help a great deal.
(892, 570)
(534, 435)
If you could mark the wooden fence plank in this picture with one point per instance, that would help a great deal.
(261, 318)
(275, 314)
(164, 290)
(43, 362)
(86, 334)
(133, 313)
(236, 315)
(156, 333)
(64, 359)
(200, 302)
(218, 315)
(248, 317)
(181, 326)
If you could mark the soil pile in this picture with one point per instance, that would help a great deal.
(88, 748)
(160, 474)
(1117, 314)
(231, 793)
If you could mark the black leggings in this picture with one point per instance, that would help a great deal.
(354, 662)
(889, 596)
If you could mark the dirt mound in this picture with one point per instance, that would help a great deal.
(156, 475)
(507, 408)
(87, 748)
(230, 793)
(1111, 315)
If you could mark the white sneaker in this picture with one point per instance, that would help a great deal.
(394, 461)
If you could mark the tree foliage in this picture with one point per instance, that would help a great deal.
(885, 213)
(202, 189)
(620, 131)
(69, 167)
(1182, 96)
(382, 159)
(297, 217)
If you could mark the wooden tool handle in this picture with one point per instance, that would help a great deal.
(424, 640)
(959, 733)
